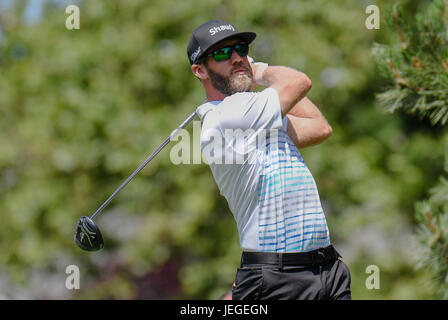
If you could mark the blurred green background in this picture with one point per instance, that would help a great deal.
(80, 109)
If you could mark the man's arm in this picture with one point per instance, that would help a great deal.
(291, 85)
(306, 124)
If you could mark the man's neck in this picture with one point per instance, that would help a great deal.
(215, 97)
(212, 94)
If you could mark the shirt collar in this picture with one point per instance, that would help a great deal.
(213, 102)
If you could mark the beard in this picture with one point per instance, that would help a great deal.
(233, 83)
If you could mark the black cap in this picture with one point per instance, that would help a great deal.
(210, 33)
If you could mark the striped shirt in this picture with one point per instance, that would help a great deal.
(258, 169)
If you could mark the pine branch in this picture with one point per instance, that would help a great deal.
(418, 68)
(432, 235)
(433, 240)
(417, 71)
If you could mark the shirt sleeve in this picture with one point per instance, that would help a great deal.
(252, 110)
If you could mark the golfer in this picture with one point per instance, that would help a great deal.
(282, 228)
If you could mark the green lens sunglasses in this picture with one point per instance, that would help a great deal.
(225, 53)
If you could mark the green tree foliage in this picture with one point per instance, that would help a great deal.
(80, 109)
(432, 236)
(418, 67)
(418, 70)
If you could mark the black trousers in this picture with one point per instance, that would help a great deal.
(326, 280)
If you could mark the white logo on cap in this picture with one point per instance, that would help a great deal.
(195, 54)
(215, 30)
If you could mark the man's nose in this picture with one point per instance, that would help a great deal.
(235, 58)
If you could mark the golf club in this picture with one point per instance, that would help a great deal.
(87, 234)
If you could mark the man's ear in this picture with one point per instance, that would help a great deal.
(199, 71)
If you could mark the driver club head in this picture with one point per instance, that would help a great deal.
(87, 235)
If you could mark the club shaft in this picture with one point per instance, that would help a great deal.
(144, 163)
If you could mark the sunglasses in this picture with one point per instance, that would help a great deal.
(225, 53)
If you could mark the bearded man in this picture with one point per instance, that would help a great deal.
(283, 233)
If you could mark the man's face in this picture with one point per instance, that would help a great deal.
(232, 75)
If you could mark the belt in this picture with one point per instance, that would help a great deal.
(314, 257)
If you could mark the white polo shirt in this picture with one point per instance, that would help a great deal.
(262, 174)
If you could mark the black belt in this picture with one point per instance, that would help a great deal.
(314, 257)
